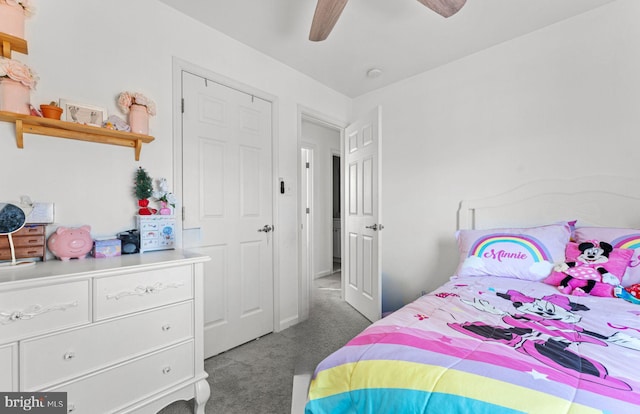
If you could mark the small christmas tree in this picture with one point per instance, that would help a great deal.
(143, 185)
(143, 189)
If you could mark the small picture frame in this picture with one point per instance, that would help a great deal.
(83, 114)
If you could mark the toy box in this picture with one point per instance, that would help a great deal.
(107, 248)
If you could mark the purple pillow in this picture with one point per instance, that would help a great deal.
(520, 253)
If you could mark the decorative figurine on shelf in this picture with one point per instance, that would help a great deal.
(164, 197)
(143, 189)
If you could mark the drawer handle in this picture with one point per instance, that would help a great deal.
(69, 355)
(145, 290)
(17, 316)
(32, 311)
(166, 370)
(166, 327)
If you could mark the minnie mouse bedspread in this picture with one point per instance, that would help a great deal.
(489, 345)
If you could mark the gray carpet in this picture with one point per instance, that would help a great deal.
(256, 378)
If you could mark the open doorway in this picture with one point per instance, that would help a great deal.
(337, 226)
(320, 208)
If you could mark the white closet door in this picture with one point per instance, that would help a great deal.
(227, 173)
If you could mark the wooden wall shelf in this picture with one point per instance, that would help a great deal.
(63, 129)
(10, 43)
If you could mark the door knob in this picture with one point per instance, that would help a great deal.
(267, 228)
(375, 227)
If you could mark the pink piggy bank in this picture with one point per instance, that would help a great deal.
(67, 243)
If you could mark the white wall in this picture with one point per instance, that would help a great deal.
(325, 142)
(90, 51)
(563, 101)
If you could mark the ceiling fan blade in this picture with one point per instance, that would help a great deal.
(325, 17)
(445, 8)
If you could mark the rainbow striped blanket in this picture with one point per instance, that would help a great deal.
(489, 345)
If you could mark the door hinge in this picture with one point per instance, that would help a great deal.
(307, 165)
(308, 210)
(183, 211)
(182, 105)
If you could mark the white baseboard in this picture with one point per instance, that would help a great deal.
(323, 274)
(287, 323)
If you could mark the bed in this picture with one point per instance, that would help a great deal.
(502, 335)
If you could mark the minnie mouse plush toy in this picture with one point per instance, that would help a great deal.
(592, 268)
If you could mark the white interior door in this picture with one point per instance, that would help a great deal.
(361, 262)
(227, 190)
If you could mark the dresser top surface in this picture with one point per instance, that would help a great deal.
(46, 271)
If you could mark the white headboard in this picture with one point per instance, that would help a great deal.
(594, 201)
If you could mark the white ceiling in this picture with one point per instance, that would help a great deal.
(400, 37)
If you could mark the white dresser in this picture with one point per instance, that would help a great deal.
(118, 335)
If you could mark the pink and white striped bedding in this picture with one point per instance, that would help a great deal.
(489, 345)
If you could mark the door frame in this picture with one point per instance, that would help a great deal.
(306, 247)
(305, 283)
(180, 65)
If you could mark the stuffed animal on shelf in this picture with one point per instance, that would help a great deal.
(591, 268)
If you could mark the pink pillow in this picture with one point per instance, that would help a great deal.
(520, 253)
(618, 238)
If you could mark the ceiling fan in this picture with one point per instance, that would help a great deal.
(328, 11)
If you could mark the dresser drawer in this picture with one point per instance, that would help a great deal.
(9, 367)
(119, 295)
(23, 252)
(27, 241)
(31, 311)
(115, 388)
(56, 358)
(30, 230)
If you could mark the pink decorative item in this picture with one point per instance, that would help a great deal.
(139, 119)
(12, 19)
(164, 210)
(165, 197)
(14, 96)
(71, 243)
